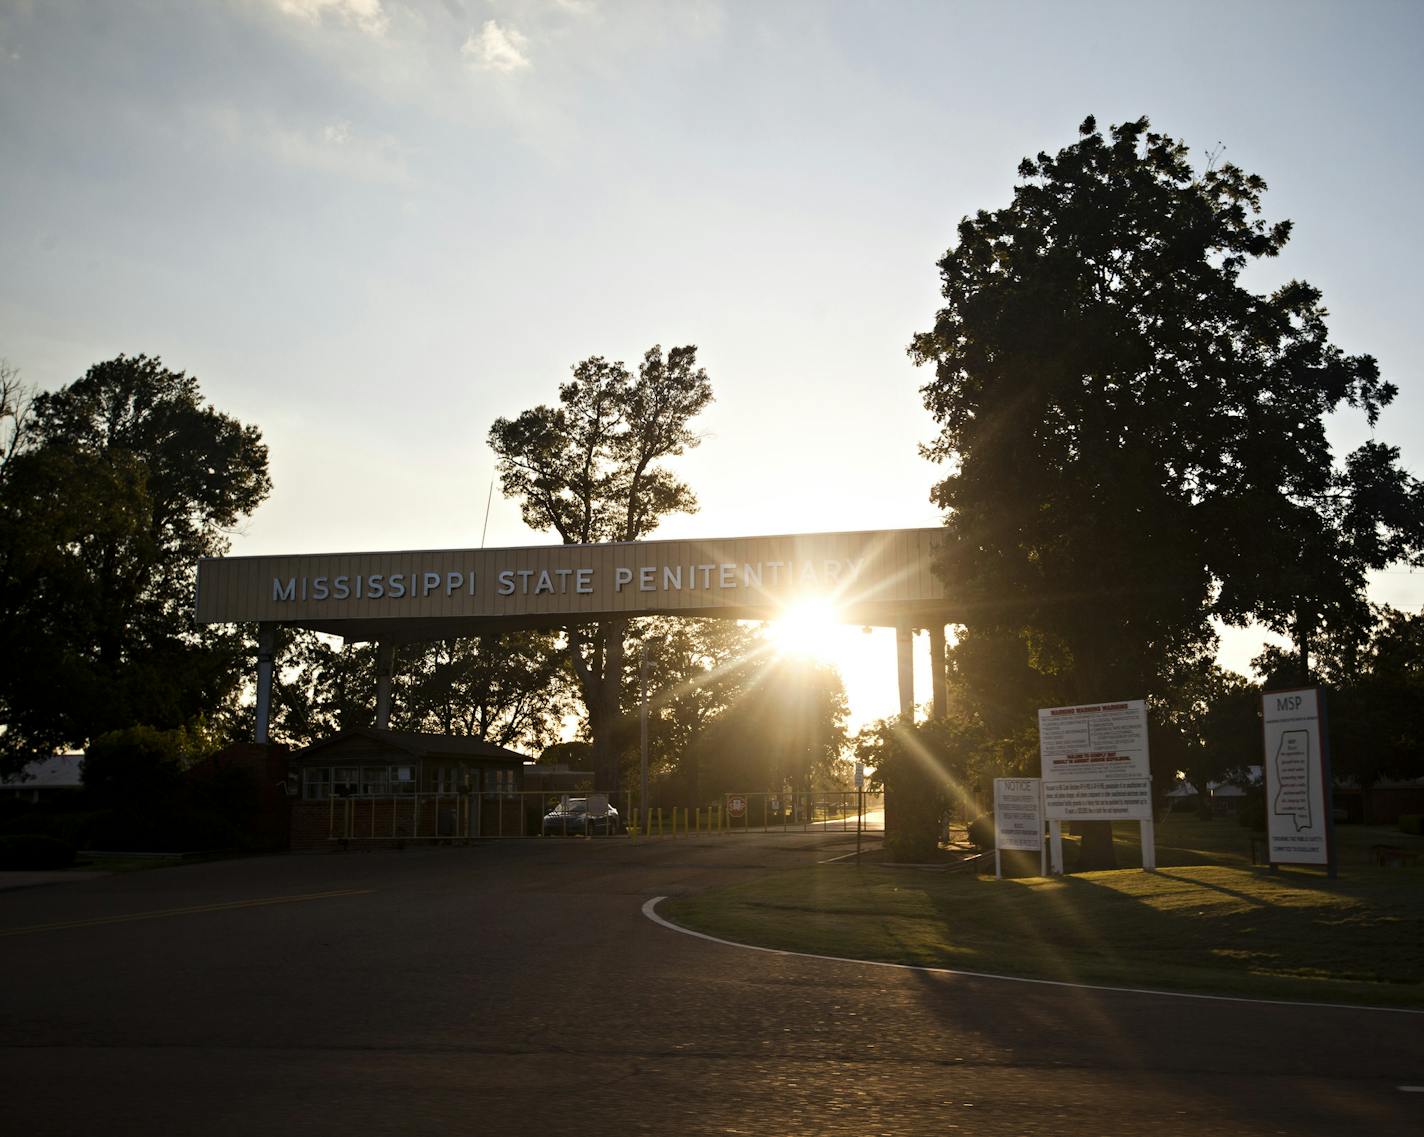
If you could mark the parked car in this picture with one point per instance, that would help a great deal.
(571, 819)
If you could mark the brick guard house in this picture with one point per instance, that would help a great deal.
(369, 787)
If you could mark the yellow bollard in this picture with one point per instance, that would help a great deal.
(698, 820)
(660, 821)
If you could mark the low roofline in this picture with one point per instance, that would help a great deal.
(405, 741)
(584, 545)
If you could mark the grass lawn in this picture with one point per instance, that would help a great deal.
(1207, 921)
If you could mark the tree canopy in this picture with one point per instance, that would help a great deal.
(1376, 695)
(1135, 440)
(591, 469)
(728, 713)
(111, 490)
(511, 689)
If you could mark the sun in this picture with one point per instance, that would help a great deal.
(808, 627)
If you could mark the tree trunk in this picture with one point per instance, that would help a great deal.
(1096, 851)
(600, 676)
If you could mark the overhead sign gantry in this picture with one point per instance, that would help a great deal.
(882, 577)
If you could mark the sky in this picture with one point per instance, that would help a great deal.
(371, 227)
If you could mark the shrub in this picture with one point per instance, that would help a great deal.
(34, 851)
(164, 829)
(981, 832)
(138, 764)
(1412, 823)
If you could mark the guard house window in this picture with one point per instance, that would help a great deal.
(316, 783)
(345, 781)
(448, 780)
(402, 779)
(500, 782)
(373, 781)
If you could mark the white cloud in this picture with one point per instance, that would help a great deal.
(368, 15)
(337, 132)
(496, 49)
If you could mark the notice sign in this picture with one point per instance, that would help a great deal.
(1095, 762)
(1297, 790)
(1018, 814)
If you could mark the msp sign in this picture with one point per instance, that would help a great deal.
(1299, 827)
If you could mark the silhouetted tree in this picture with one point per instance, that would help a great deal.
(114, 488)
(589, 469)
(1135, 440)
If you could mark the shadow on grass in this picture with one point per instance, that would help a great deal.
(1286, 937)
(1245, 897)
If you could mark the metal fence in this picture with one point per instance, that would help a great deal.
(458, 817)
(768, 812)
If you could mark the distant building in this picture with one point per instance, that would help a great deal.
(45, 779)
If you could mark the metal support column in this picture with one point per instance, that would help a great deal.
(385, 665)
(266, 648)
(937, 674)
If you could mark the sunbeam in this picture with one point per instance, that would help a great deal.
(809, 628)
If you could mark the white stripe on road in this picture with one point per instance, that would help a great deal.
(649, 910)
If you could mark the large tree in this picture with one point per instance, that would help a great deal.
(696, 670)
(1136, 440)
(590, 469)
(114, 488)
(786, 730)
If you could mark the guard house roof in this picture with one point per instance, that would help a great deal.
(370, 742)
(59, 772)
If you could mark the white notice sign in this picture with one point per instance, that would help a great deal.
(1297, 796)
(1095, 762)
(1018, 814)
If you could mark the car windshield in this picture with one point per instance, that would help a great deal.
(578, 805)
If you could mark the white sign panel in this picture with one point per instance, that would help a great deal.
(1018, 814)
(1297, 797)
(1095, 762)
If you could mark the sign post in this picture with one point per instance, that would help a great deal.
(1018, 819)
(1300, 824)
(1095, 768)
(859, 805)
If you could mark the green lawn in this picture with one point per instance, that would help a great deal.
(1206, 922)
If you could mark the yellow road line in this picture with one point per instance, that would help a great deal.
(161, 912)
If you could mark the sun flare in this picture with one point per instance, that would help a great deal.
(809, 628)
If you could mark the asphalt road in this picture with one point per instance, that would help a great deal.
(517, 988)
